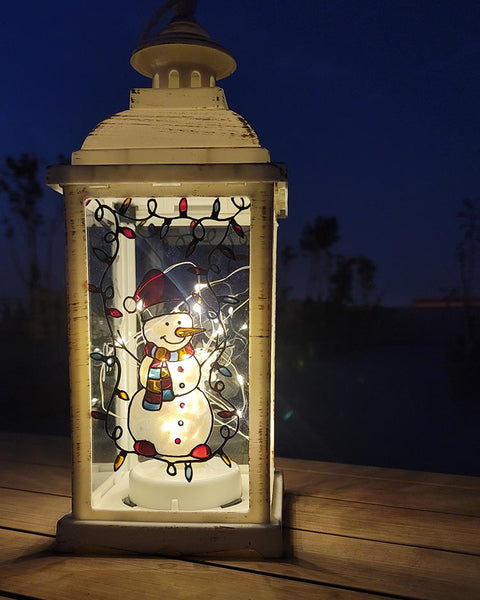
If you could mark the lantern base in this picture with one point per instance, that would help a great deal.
(75, 535)
(213, 485)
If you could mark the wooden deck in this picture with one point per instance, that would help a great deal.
(351, 533)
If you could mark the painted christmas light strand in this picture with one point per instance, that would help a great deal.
(177, 415)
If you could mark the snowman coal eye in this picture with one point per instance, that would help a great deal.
(179, 322)
(167, 324)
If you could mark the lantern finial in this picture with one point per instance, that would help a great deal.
(181, 47)
(184, 10)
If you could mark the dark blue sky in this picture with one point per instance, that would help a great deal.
(374, 105)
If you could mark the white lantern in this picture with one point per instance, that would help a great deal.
(171, 211)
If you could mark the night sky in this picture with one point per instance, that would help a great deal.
(374, 106)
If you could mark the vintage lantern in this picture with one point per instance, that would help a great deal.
(171, 210)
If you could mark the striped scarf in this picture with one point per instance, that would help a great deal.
(159, 381)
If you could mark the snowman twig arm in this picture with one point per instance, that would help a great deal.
(121, 344)
(213, 354)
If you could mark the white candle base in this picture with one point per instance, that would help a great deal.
(213, 485)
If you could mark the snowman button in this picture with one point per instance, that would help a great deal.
(182, 385)
(177, 440)
(180, 423)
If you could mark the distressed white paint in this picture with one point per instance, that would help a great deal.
(185, 137)
(173, 126)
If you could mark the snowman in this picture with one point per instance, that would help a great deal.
(169, 418)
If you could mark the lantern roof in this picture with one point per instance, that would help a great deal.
(183, 41)
(184, 117)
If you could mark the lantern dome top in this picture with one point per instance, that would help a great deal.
(183, 46)
(185, 118)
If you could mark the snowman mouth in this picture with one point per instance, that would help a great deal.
(182, 333)
(164, 338)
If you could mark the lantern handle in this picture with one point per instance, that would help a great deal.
(184, 10)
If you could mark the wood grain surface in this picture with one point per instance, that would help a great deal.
(351, 533)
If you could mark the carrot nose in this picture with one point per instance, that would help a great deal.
(188, 331)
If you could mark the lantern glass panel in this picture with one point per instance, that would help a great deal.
(169, 323)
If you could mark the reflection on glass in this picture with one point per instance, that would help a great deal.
(168, 312)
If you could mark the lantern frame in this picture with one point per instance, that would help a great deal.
(177, 140)
(260, 526)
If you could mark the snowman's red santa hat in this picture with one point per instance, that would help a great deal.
(158, 295)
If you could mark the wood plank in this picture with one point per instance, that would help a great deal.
(56, 450)
(30, 511)
(375, 508)
(17, 544)
(389, 569)
(406, 526)
(404, 494)
(420, 528)
(32, 570)
(36, 478)
(398, 525)
(30, 448)
(330, 559)
(432, 498)
(446, 479)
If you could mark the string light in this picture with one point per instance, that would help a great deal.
(214, 306)
(120, 342)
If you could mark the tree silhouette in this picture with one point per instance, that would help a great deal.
(21, 190)
(287, 255)
(341, 281)
(317, 240)
(366, 269)
(357, 269)
(333, 277)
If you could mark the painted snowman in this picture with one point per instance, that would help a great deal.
(170, 417)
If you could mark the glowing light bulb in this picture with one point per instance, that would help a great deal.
(240, 379)
(243, 327)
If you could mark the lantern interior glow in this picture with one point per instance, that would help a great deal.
(169, 352)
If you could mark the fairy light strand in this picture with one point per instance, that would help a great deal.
(210, 298)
